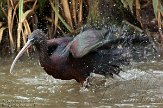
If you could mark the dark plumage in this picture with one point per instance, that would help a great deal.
(64, 58)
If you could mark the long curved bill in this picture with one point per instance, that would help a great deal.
(27, 45)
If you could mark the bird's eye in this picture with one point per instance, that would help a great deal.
(32, 39)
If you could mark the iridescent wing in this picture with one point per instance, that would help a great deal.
(87, 41)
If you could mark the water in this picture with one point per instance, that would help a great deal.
(139, 86)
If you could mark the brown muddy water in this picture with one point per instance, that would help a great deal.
(141, 86)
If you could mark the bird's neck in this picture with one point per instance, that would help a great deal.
(43, 53)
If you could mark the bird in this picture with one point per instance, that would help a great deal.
(92, 51)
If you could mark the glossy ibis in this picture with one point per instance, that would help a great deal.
(92, 51)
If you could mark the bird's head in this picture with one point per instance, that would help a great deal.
(35, 38)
